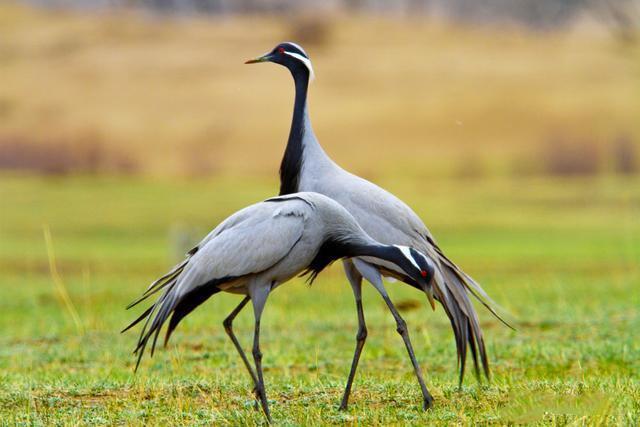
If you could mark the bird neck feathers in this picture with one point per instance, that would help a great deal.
(291, 164)
(302, 143)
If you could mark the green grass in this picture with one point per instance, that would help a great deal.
(561, 256)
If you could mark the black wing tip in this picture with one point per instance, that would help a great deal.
(165, 282)
(173, 322)
(144, 315)
(135, 302)
(310, 275)
(464, 279)
(138, 360)
(513, 328)
(467, 334)
(494, 313)
(146, 334)
(474, 331)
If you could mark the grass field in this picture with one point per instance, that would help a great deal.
(462, 123)
(562, 257)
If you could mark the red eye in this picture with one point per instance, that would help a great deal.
(280, 50)
(423, 273)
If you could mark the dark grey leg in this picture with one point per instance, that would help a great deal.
(228, 327)
(355, 279)
(259, 296)
(372, 274)
(404, 333)
(257, 357)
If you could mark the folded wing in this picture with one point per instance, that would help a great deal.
(251, 241)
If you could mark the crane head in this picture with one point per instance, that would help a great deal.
(288, 54)
(420, 269)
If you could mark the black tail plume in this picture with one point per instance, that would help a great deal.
(452, 288)
(156, 315)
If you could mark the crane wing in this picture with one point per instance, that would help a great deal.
(248, 247)
(250, 241)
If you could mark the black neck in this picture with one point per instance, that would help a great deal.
(387, 253)
(292, 159)
(335, 248)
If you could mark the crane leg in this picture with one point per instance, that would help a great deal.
(373, 275)
(355, 279)
(401, 327)
(228, 327)
(259, 296)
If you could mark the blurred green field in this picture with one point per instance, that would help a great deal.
(561, 255)
(462, 123)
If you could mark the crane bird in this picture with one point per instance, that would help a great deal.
(262, 246)
(306, 167)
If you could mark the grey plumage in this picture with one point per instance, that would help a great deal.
(306, 167)
(259, 248)
(389, 220)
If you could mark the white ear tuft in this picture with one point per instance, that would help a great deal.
(305, 61)
(407, 253)
(297, 46)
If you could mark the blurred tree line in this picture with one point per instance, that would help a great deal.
(621, 15)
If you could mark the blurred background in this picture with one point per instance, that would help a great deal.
(130, 128)
(158, 87)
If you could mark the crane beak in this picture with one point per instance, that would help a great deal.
(429, 292)
(264, 58)
(427, 287)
